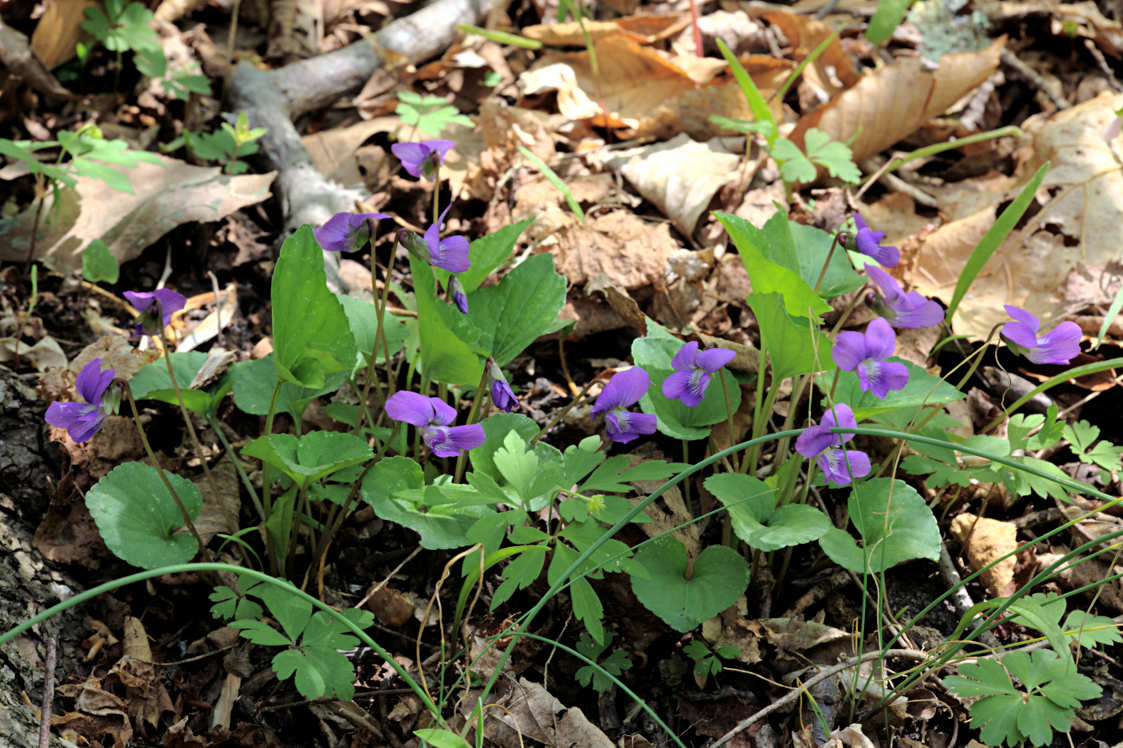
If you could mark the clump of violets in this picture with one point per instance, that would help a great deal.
(840, 466)
(435, 417)
(902, 310)
(868, 242)
(1057, 347)
(501, 393)
(867, 353)
(693, 369)
(156, 309)
(346, 232)
(622, 391)
(83, 420)
(422, 160)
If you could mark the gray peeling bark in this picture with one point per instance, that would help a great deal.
(274, 98)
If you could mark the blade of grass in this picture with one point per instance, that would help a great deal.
(782, 91)
(993, 238)
(555, 180)
(886, 19)
(1112, 313)
(500, 37)
(757, 104)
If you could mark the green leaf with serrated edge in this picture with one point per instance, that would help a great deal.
(1043, 615)
(154, 383)
(517, 466)
(921, 389)
(767, 276)
(99, 264)
(486, 254)
(311, 335)
(513, 314)
(804, 250)
(442, 738)
(581, 459)
(794, 345)
(138, 518)
(449, 350)
(318, 671)
(259, 632)
(496, 428)
(758, 521)
(587, 607)
(719, 578)
(794, 166)
(229, 605)
(290, 611)
(834, 156)
(997, 718)
(985, 677)
(363, 320)
(324, 630)
(520, 573)
(311, 457)
(895, 525)
(654, 353)
(392, 477)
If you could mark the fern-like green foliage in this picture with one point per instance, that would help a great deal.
(616, 663)
(429, 114)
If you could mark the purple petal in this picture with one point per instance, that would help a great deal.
(443, 413)
(881, 341)
(685, 357)
(886, 282)
(411, 155)
(860, 222)
(80, 421)
(841, 416)
(503, 396)
(624, 389)
(849, 350)
(92, 382)
(815, 439)
(446, 441)
(676, 385)
(916, 311)
(884, 377)
(411, 408)
(839, 465)
(1058, 347)
(1021, 315)
(714, 359)
(452, 254)
(624, 426)
(1020, 334)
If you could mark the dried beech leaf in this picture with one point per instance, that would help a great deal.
(805, 33)
(891, 103)
(59, 30)
(985, 540)
(643, 29)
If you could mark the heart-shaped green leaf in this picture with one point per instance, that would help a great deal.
(894, 522)
(758, 521)
(719, 578)
(311, 457)
(137, 516)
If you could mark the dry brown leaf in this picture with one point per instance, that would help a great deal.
(59, 30)
(631, 252)
(680, 176)
(643, 29)
(1069, 19)
(166, 196)
(333, 151)
(530, 711)
(644, 92)
(893, 102)
(221, 501)
(833, 70)
(1075, 233)
(984, 540)
(190, 336)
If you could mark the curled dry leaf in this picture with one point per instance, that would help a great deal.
(893, 102)
(59, 30)
(833, 70)
(985, 540)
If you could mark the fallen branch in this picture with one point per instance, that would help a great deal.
(273, 98)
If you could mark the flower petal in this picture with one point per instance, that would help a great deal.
(814, 440)
(92, 382)
(840, 416)
(411, 155)
(1021, 315)
(881, 341)
(1020, 334)
(887, 283)
(915, 311)
(443, 413)
(714, 359)
(452, 254)
(624, 389)
(685, 357)
(447, 441)
(1058, 347)
(410, 407)
(886, 377)
(849, 350)
(676, 385)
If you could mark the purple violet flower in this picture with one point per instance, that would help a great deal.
(156, 309)
(346, 232)
(82, 421)
(501, 393)
(450, 253)
(692, 372)
(422, 159)
(1058, 347)
(839, 465)
(902, 309)
(456, 291)
(434, 417)
(622, 391)
(867, 352)
(869, 243)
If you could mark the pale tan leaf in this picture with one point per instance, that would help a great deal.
(833, 70)
(985, 540)
(166, 196)
(893, 102)
(333, 151)
(644, 29)
(59, 30)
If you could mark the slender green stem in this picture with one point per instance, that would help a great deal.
(728, 407)
(473, 416)
(827, 262)
(187, 421)
(1073, 373)
(160, 471)
(266, 487)
(246, 482)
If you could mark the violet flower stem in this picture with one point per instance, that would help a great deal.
(161, 473)
(728, 409)
(473, 414)
(826, 263)
(187, 421)
(246, 482)
(564, 412)
(437, 195)
(380, 336)
(266, 488)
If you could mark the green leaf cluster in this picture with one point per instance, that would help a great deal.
(429, 114)
(821, 151)
(615, 663)
(313, 642)
(708, 661)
